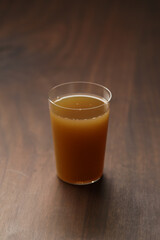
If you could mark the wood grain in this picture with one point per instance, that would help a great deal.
(44, 43)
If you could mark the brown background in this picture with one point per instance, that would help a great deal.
(117, 44)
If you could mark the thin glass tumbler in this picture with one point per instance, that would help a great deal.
(79, 113)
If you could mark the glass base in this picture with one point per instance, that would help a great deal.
(80, 183)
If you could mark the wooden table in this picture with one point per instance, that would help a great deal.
(44, 43)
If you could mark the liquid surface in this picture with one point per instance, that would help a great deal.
(79, 135)
(79, 106)
(79, 102)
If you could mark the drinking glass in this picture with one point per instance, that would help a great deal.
(79, 113)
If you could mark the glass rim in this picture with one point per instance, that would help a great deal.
(80, 82)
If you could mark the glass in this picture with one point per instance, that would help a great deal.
(79, 113)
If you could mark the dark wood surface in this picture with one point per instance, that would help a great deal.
(44, 43)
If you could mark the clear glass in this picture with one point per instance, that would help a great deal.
(79, 113)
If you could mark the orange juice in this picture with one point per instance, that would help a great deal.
(79, 124)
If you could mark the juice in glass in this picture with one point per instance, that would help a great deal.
(79, 124)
